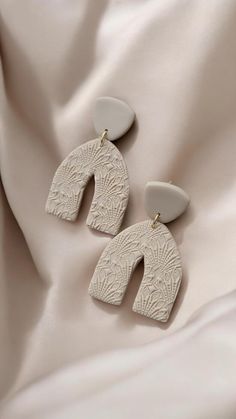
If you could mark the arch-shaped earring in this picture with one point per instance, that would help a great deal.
(149, 240)
(101, 159)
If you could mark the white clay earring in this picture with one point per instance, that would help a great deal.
(99, 158)
(149, 240)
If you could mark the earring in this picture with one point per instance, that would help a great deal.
(149, 240)
(99, 158)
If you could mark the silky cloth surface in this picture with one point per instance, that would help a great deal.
(63, 354)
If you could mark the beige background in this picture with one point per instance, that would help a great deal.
(62, 354)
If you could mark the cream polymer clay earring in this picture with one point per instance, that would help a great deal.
(99, 158)
(149, 240)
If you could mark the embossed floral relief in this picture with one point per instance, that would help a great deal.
(162, 270)
(111, 186)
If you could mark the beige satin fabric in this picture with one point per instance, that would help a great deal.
(63, 354)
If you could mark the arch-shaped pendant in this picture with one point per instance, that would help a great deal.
(110, 199)
(162, 269)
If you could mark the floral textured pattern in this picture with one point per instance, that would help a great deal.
(111, 186)
(162, 270)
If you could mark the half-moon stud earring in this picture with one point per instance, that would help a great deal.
(99, 158)
(149, 240)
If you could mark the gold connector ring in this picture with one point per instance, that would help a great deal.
(103, 137)
(155, 221)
